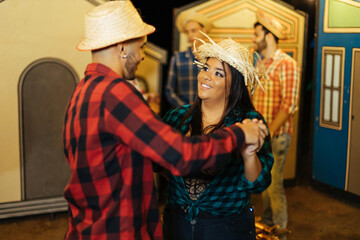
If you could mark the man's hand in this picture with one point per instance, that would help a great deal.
(255, 132)
(278, 121)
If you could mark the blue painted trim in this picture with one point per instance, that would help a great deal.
(330, 146)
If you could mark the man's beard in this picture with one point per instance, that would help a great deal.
(259, 46)
(130, 67)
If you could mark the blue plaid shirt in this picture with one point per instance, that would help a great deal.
(229, 192)
(181, 87)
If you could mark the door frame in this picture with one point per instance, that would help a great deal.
(354, 50)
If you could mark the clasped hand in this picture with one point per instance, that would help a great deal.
(255, 132)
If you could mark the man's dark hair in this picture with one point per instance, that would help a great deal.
(266, 31)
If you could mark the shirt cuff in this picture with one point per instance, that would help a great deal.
(246, 184)
(289, 108)
(240, 135)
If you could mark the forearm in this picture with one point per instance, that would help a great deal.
(279, 120)
(252, 167)
(141, 130)
(210, 153)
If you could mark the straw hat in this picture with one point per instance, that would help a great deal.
(112, 22)
(234, 54)
(190, 15)
(273, 25)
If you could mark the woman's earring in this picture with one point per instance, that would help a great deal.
(124, 56)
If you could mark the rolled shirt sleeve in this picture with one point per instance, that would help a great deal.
(289, 80)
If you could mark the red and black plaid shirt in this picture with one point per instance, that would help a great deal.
(110, 138)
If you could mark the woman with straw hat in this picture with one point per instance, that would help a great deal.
(214, 204)
(111, 136)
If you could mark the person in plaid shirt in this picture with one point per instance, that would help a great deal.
(212, 205)
(277, 104)
(181, 86)
(111, 136)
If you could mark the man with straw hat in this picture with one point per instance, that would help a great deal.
(277, 104)
(181, 87)
(111, 136)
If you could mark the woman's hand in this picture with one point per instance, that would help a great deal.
(252, 165)
(255, 131)
(263, 132)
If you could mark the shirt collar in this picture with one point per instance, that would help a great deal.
(100, 68)
(275, 54)
(189, 53)
(233, 116)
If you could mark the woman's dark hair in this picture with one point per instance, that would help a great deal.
(238, 96)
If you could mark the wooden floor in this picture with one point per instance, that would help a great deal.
(313, 215)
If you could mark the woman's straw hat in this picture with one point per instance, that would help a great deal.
(273, 25)
(234, 54)
(190, 15)
(112, 22)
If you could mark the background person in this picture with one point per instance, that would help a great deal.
(277, 104)
(181, 86)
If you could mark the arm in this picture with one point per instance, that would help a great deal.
(257, 165)
(172, 118)
(171, 84)
(130, 121)
(289, 75)
(279, 120)
(252, 165)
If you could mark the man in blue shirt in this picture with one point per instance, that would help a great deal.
(181, 87)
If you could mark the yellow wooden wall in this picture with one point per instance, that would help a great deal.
(35, 29)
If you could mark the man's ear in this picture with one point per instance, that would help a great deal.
(269, 36)
(203, 29)
(120, 47)
(121, 50)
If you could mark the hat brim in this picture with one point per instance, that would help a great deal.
(241, 64)
(273, 30)
(95, 44)
(265, 20)
(208, 50)
(187, 16)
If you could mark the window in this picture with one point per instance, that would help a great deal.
(332, 82)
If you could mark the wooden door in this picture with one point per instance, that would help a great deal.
(44, 90)
(336, 40)
(353, 184)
